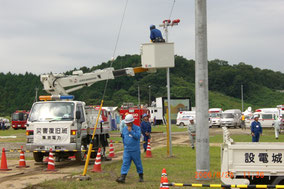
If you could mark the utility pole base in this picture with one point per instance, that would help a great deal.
(81, 177)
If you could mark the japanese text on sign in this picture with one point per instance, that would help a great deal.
(263, 157)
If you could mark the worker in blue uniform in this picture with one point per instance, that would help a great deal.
(256, 129)
(155, 34)
(146, 130)
(131, 142)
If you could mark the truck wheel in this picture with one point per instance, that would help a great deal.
(80, 156)
(278, 180)
(93, 154)
(38, 157)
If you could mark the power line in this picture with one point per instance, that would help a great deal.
(172, 9)
(116, 43)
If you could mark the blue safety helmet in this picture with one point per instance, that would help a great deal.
(144, 115)
(152, 27)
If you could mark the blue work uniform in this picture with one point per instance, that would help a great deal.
(256, 129)
(145, 127)
(156, 35)
(131, 143)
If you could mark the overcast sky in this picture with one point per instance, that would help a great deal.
(41, 36)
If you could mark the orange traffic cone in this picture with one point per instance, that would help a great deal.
(4, 166)
(164, 179)
(46, 160)
(22, 162)
(51, 164)
(71, 157)
(97, 166)
(148, 152)
(111, 150)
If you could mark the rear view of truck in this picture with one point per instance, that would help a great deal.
(251, 162)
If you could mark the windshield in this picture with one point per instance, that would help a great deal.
(214, 115)
(20, 116)
(227, 115)
(52, 111)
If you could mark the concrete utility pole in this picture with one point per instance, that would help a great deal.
(242, 94)
(201, 91)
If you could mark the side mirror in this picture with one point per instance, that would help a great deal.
(78, 115)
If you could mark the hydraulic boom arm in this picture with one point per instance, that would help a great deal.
(56, 84)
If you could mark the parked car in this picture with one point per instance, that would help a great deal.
(183, 117)
(231, 118)
(7, 123)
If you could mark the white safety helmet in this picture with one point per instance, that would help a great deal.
(129, 118)
(255, 116)
(191, 119)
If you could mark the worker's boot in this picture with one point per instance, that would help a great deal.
(141, 177)
(121, 179)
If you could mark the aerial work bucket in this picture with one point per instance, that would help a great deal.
(157, 55)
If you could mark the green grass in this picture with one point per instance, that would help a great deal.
(268, 136)
(20, 134)
(180, 168)
(163, 128)
(12, 132)
(116, 139)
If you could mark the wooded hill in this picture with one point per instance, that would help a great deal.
(261, 86)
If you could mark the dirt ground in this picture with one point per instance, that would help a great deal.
(19, 178)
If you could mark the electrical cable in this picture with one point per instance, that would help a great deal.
(172, 9)
(115, 47)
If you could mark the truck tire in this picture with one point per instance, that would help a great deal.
(236, 125)
(278, 180)
(80, 155)
(38, 157)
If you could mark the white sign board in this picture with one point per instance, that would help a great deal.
(51, 135)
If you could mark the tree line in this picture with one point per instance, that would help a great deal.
(260, 86)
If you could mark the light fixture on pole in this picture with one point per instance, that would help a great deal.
(165, 25)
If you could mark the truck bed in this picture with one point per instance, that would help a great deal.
(247, 162)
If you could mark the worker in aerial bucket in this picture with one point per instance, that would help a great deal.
(156, 35)
(131, 143)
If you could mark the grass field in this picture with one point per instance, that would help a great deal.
(20, 134)
(180, 168)
(268, 135)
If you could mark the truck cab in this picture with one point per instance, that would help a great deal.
(63, 126)
(215, 116)
(231, 118)
(19, 119)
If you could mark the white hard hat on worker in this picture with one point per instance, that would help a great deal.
(129, 118)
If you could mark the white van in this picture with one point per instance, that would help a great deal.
(266, 116)
(231, 118)
(183, 117)
(215, 116)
